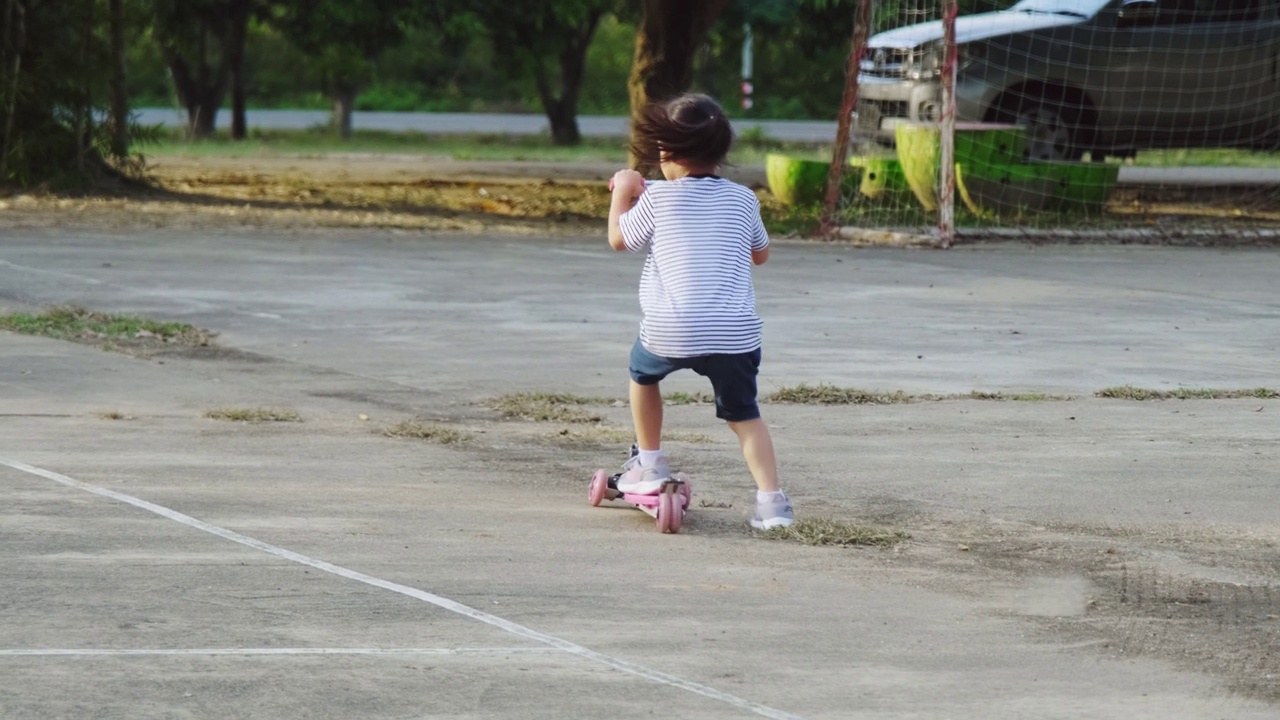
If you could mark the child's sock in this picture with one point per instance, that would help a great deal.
(764, 497)
(649, 457)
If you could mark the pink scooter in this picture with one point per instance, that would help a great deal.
(667, 506)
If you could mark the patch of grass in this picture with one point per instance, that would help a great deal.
(598, 435)
(1217, 157)
(684, 398)
(253, 415)
(607, 435)
(749, 148)
(826, 531)
(1128, 392)
(114, 415)
(795, 220)
(1010, 397)
(433, 432)
(860, 211)
(548, 407)
(686, 437)
(823, 394)
(71, 322)
(320, 140)
(803, 394)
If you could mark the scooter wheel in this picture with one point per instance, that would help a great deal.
(670, 512)
(599, 487)
(664, 513)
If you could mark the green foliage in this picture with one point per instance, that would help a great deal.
(342, 37)
(788, 82)
(548, 41)
(604, 90)
(54, 65)
(202, 44)
(458, 55)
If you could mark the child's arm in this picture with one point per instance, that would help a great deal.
(760, 257)
(626, 186)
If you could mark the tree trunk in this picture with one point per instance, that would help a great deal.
(202, 83)
(564, 123)
(562, 111)
(239, 118)
(84, 113)
(202, 118)
(200, 99)
(119, 108)
(14, 21)
(667, 39)
(235, 51)
(343, 104)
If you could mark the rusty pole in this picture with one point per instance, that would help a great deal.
(947, 131)
(839, 157)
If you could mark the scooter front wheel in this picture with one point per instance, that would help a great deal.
(599, 487)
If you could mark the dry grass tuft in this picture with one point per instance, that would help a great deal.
(1128, 392)
(803, 394)
(432, 432)
(825, 531)
(547, 407)
(1010, 397)
(684, 398)
(608, 435)
(253, 415)
(831, 395)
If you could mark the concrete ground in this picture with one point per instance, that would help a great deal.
(1069, 558)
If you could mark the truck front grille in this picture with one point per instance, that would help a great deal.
(888, 62)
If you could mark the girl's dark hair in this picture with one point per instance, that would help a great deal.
(689, 129)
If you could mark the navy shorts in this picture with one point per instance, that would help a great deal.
(733, 377)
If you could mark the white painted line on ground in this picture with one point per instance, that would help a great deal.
(262, 315)
(516, 629)
(146, 652)
(55, 273)
(580, 253)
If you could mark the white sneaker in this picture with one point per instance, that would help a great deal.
(645, 480)
(774, 513)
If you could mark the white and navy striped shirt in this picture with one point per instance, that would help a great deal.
(696, 290)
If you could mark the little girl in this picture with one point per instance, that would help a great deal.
(703, 233)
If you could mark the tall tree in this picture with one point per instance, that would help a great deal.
(54, 67)
(118, 115)
(241, 13)
(785, 84)
(343, 37)
(200, 41)
(667, 39)
(548, 39)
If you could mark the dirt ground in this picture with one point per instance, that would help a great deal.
(416, 192)
(1220, 614)
(400, 192)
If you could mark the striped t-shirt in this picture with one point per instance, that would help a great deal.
(696, 290)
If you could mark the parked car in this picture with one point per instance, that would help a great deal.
(1109, 77)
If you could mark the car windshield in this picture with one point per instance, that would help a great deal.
(1083, 8)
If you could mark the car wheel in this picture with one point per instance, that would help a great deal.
(1053, 128)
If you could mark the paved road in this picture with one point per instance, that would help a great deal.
(1080, 559)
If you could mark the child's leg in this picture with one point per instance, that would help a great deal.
(646, 414)
(649, 471)
(757, 448)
